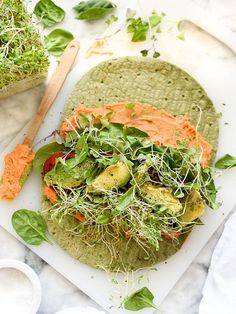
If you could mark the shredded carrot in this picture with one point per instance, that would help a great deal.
(50, 193)
(171, 235)
(79, 217)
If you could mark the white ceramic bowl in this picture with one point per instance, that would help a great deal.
(32, 277)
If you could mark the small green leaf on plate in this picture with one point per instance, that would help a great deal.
(144, 52)
(93, 9)
(226, 162)
(57, 41)
(138, 28)
(156, 54)
(139, 300)
(30, 226)
(48, 13)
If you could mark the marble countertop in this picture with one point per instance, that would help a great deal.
(59, 293)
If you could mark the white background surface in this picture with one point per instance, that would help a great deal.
(214, 67)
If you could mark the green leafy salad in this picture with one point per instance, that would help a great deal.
(109, 176)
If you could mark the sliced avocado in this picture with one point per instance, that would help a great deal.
(142, 174)
(112, 177)
(194, 207)
(65, 176)
(161, 196)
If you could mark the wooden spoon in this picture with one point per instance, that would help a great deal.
(18, 163)
(53, 88)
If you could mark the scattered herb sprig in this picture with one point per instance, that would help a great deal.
(141, 29)
(139, 300)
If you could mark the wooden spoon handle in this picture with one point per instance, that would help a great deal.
(52, 90)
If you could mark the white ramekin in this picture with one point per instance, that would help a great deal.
(33, 278)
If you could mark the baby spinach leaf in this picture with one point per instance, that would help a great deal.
(126, 199)
(44, 153)
(57, 41)
(94, 9)
(226, 162)
(139, 300)
(30, 226)
(48, 13)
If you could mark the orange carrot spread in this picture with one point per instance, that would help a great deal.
(50, 194)
(17, 163)
(162, 127)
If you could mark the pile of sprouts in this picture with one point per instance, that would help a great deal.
(21, 52)
(124, 211)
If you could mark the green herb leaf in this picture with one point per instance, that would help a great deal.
(48, 13)
(25, 175)
(111, 20)
(144, 52)
(103, 219)
(57, 41)
(30, 226)
(94, 9)
(44, 153)
(156, 54)
(126, 199)
(226, 162)
(139, 300)
(155, 19)
(81, 150)
(138, 28)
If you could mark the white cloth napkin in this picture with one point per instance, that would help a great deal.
(219, 292)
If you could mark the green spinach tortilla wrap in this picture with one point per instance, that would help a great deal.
(132, 175)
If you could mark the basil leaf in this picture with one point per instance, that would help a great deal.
(44, 153)
(226, 162)
(48, 13)
(30, 226)
(126, 199)
(94, 9)
(57, 41)
(139, 300)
